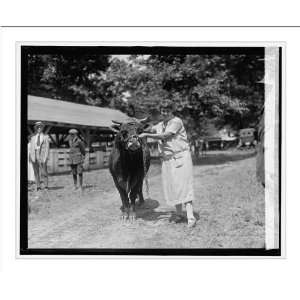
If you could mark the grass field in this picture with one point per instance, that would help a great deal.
(229, 206)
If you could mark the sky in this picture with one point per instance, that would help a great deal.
(125, 57)
(121, 57)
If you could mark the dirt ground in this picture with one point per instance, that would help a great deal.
(229, 206)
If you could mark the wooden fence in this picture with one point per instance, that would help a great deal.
(58, 161)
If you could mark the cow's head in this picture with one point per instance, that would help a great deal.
(128, 134)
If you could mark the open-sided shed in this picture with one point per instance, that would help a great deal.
(92, 122)
(59, 116)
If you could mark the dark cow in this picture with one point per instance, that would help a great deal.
(129, 162)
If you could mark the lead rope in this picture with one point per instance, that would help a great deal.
(146, 177)
(145, 171)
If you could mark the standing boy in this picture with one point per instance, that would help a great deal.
(77, 155)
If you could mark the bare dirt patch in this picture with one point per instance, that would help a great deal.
(229, 206)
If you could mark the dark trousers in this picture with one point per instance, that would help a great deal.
(40, 170)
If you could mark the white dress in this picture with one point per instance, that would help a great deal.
(177, 166)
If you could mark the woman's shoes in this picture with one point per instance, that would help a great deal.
(181, 219)
(191, 223)
(177, 218)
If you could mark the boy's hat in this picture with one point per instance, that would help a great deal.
(38, 124)
(73, 131)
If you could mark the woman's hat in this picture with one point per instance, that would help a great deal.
(73, 131)
(38, 124)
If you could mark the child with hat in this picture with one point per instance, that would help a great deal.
(76, 156)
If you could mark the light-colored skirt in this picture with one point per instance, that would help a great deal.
(177, 178)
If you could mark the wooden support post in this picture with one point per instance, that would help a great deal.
(30, 130)
(88, 142)
(57, 139)
(88, 138)
(47, 129)
(62, 139)
(82, 135)
(52, 139)
(207, 145)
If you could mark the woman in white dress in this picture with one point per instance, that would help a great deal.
(177, 167)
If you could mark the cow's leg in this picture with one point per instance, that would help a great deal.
(124, 198)
(125, 205)
(139, 188)
(141, 197)
(132, 213)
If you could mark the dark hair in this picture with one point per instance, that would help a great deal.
(131, 107)
(154, 111)
(167, 103)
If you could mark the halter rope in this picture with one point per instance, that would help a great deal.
(146, 178)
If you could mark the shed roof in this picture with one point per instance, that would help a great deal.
(63, 112)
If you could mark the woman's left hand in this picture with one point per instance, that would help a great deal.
(143, 135)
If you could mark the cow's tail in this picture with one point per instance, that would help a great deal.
(147, 185)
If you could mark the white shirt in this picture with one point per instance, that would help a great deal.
(36, 146)
(177, 142)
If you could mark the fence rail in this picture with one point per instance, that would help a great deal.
(59, 162)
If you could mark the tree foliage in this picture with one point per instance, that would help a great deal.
(209, 90)
(70, 77)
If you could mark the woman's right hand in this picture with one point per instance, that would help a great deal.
(143, 135)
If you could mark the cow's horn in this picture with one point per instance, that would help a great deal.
(113, 129)
(117, 122)
(143, 120)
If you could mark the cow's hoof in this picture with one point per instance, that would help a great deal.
(132, 217)
(140, 203)
(123, 217)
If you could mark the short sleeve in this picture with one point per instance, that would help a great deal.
(82, 148)
(174, 125)
(155, 128)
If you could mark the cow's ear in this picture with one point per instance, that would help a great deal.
(116, 125)
(143, 121)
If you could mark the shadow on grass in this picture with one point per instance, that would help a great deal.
(221, 158)
(184, 220)
(90, 186)
(53, 188)
(147, 212)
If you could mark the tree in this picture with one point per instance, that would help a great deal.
(71, 77)
(218, 89)
(209, 90)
